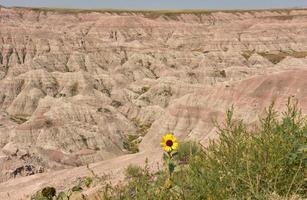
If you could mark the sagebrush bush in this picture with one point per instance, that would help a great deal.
(247, 164)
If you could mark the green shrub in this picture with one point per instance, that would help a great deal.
(247, 164)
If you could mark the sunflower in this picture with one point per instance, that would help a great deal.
(169, 143)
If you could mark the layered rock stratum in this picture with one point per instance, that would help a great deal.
(79, 87)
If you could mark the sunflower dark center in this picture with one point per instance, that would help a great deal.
(169, 143)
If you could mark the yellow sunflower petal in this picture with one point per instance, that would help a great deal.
(167, 148)
(168, 137)
(175, 146)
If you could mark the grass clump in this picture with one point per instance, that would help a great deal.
(262, 162)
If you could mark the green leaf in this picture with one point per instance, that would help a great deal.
(171, 167)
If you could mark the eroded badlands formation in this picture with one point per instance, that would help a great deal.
(82, 87)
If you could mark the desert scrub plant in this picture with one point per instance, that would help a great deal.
(252, 164)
